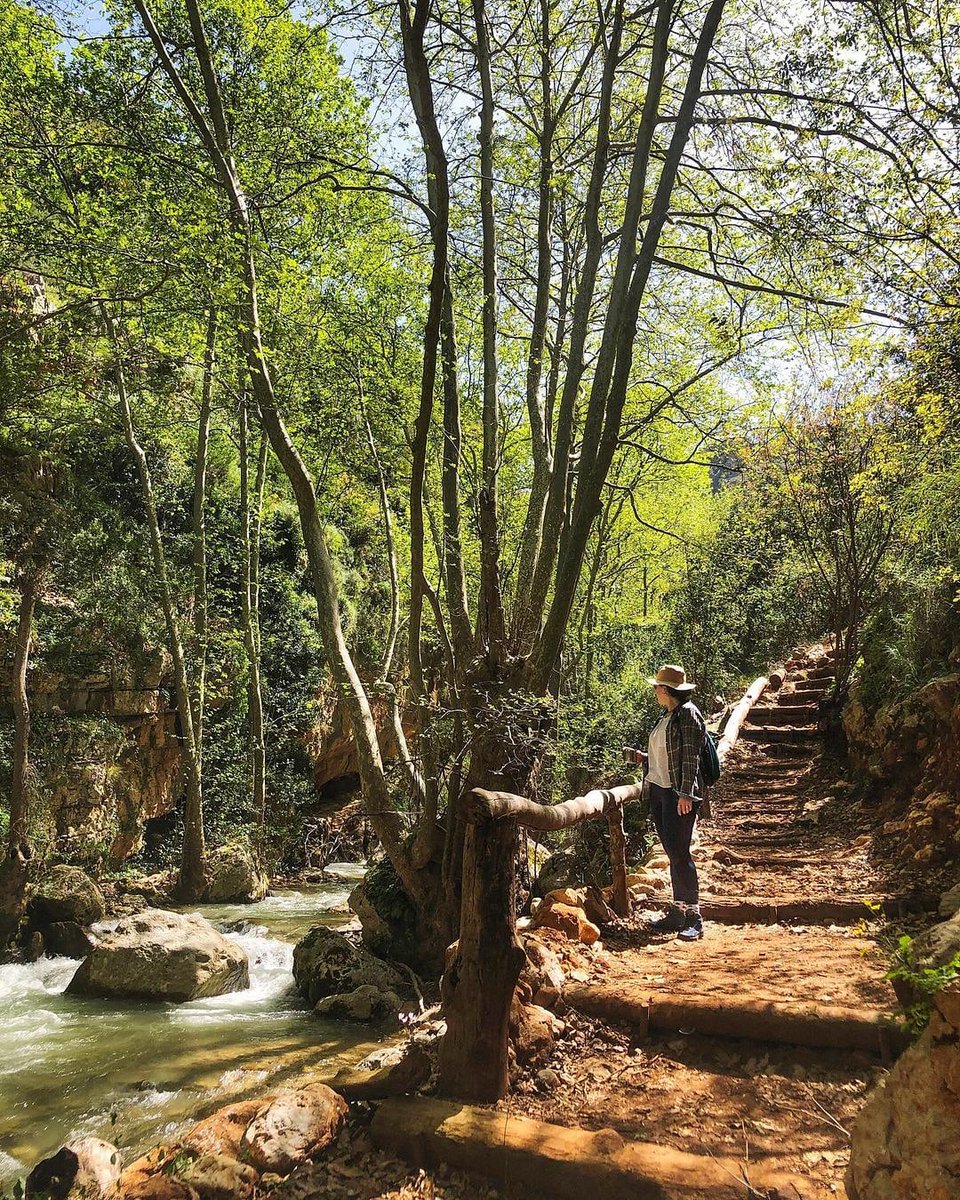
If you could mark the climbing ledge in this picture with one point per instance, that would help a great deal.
(799, 1024)
(551, 1160)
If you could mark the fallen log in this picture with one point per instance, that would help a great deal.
(567, 1164)
(790, 1022)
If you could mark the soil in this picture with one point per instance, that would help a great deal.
(785, 825)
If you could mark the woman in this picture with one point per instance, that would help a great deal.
(673, 774)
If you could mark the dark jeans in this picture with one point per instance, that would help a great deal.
(675, 832)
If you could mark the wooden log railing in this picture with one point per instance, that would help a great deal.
(602, 802)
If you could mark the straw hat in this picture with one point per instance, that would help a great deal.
(672, 677)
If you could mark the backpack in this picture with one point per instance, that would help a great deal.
(709, 761)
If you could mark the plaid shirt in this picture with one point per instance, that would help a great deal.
(686, 733)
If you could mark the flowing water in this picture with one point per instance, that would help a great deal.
(132, 1072)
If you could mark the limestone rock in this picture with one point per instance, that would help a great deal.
(533, 1033)
(558, 870)
(158, 955)
(570, 921)
(155, 1187)
(222, 1132)
(935, 947)
(219, 1177)
(234, 877)
(85, 1169)
(950, 902)
(67, 939)
(327, 963)
(294, 1125)
(66, 894)
(904, 1143)
(364, 1003)
(541, 979)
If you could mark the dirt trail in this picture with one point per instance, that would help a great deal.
(782, 840)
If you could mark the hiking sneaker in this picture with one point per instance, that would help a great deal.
(673, 922)
(692, 930)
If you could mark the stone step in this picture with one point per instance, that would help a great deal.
(795, 699)
(797, 714)
(790, 1022)
(812, 685)
(785, 735)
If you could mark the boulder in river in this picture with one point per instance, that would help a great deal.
(234, 877)
(85, 1169)
(903, 1145)
(365, 1003)
(159, 955)
(327, 963)
(66, 894)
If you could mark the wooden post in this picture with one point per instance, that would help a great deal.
(618, 857)
(481, 976)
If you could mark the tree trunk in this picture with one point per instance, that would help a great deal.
(250, 524)
(192, 879)
(13, 877)
(199, 521)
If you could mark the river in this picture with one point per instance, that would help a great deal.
(132, 1072)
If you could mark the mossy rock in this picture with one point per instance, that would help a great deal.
(66, 894)
(390, 924)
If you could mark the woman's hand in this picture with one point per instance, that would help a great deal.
(684, 805)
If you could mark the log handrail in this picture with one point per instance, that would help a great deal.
(600, 802)
(497, 806)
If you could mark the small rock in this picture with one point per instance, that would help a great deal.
(234, 877)
(548, 1078)
(572, 922)
(160, 955)
(67, 939)
(222, 1132)
(950, 902)
(327, 963)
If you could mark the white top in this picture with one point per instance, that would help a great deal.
(658, 763)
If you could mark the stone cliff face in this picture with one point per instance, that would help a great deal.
(104, 753)
(911, 749)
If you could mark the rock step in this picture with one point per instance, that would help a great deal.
(799, 699)
(836, 910)
(798, 715)
(789, 734)
(813, 685)
(791, 1023)
(758, 822)
(567, 1163)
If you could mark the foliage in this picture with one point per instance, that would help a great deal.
(923, 981)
